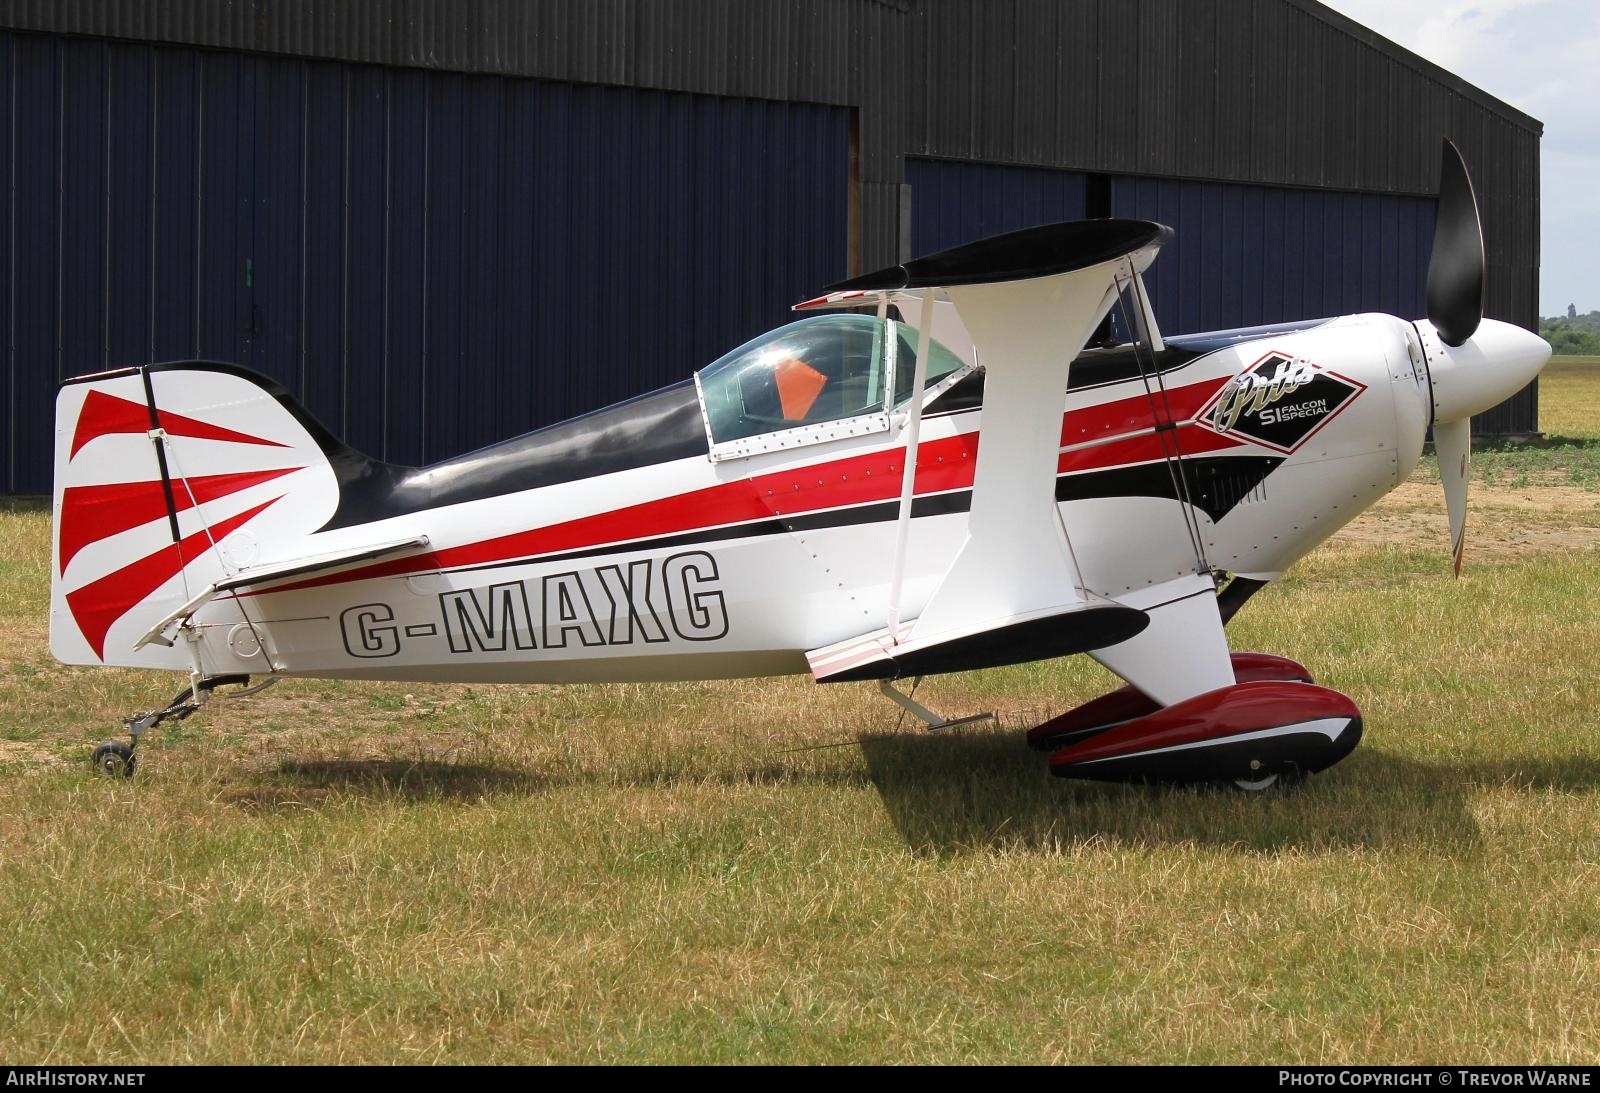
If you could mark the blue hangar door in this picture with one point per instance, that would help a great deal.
(1242, 255)
(955, 202)
(432, 261)
(1245, 255)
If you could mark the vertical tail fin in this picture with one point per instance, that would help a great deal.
(167, 478)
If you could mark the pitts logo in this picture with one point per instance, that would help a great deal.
(647, 601)
(1279, 401)
(1253, 392)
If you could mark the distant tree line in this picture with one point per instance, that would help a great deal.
(1576, 336)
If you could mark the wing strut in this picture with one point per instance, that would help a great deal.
(1013, 590)
(908, 475)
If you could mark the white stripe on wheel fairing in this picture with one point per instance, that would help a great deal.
(1330, 727)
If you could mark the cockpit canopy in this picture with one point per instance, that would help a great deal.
(817, 379)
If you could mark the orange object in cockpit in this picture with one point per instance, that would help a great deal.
(799, 384)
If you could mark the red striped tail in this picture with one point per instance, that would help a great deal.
(168, 477)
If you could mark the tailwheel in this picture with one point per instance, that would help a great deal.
(114, 759)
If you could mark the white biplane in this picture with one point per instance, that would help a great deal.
(933, 476)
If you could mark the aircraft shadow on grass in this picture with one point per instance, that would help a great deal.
(979, 791)
(971, 792)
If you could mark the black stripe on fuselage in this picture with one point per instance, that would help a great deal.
(1214, 485)
(1093, 368)
(655, 428)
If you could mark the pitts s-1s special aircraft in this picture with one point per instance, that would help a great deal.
(854, 495)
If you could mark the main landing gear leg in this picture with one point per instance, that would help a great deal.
(935, 722)
(116, 759)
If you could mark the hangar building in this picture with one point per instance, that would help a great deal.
(444, 222)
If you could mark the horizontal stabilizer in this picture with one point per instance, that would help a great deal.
(277, 571)
(1092, 623)
(316, 563)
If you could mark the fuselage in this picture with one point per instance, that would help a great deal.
(1232, 452)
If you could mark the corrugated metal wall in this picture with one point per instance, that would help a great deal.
(954, 202)
(1270, 92)
(1242, 255)
(1277, 93)
(1274, 92)
(432, 260)
(1245, 255)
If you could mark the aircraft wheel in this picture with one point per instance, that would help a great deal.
(1277, 780)
(114, 759)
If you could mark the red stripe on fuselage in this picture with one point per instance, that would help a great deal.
(943, 465)
(1136, 412)
(1190, 440)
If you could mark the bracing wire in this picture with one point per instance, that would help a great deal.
(1163, 419)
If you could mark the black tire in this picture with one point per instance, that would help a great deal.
(114, 759)
(1284, 781)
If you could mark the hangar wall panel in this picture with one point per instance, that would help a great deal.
(954, 202)
(1276, 93)
(1245, 255)
(1242, 255)
(432, 260)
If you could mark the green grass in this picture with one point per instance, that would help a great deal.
(768, 871)
(1569, 397)
(1554, 460)
(1569, 452)
(654, 874)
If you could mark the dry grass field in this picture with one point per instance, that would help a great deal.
(768, 871)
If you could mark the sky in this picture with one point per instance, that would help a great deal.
(1543, 57)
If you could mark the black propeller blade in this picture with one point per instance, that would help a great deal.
(1455, 269)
